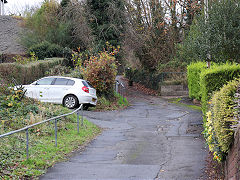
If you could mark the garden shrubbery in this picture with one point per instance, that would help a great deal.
(48, 50)
(101, 71)
(30, 72)
(218, 36)
(202, 82)
(153, 80)
(214, 78)
(144, 77)
(193, 72)
(216, 87)
(220, 117)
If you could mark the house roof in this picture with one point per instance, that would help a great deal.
(11, 30)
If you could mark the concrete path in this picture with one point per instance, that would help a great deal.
(152, 139)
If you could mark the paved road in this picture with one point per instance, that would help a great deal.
(152, 139)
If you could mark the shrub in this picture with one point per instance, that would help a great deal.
(58, 70)
(28, 73)
(101, 71)
(24, 60)
(214, 78)
(154, 80)
(218, 36)
(146, 78)
(220, 117)
(193, 75)
(66, 26)
(173, 65)
(48, 50)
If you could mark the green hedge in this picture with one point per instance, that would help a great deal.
(193, 75)
(214, 78)
(220, 117)
(28, 73)
(49, 50)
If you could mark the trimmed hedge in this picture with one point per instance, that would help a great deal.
(220, 117)
(28, 73)
(193, 75)
(214, 78)
(49, 50)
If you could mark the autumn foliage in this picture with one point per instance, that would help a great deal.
(101, 71)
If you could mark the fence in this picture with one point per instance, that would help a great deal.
(120, 89)
(45, 121)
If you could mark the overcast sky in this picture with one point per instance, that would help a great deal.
(18, 6)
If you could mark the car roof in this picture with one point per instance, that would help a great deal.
(77, 79)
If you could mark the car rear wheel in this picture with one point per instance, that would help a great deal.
(70, 101)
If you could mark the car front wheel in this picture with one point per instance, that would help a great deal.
(70, 101)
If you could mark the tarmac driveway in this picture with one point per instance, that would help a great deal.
(152, 139)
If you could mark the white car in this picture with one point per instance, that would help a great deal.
(62, 90)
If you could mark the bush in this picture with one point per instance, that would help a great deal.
(214, 78)
(58, 70)
(66, 26)
(154, 80)
(218, 36)
(173, 65)
(28, 73)
(193, 75)
(48, 50)
(101, 71)
(25, 60)
(146, 78)
(220, 117)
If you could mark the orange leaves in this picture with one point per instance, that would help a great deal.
(101, 70)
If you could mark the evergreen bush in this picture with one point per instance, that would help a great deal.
(193, 75)
(28, 73)
(218, 36)
(214, 78)
(220, 117)
(48, 50)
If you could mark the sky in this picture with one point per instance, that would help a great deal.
(18, 6)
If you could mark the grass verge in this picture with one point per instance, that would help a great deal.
(178, 102)
(42, 151)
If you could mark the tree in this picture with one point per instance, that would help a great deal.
(148, 33)
(218, 35)
(63, 25)
(107, 21)
(64, 3)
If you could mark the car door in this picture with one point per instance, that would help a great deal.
(59, 89)
(39, 89)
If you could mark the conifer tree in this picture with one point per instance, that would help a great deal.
(64, 3)
(107, 21)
